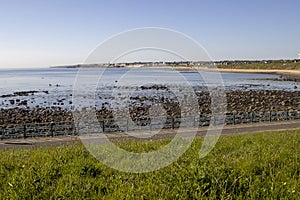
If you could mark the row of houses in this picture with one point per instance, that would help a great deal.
(239, 62)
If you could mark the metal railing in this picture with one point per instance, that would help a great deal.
(69, 128)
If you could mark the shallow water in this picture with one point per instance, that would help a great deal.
(59, 82)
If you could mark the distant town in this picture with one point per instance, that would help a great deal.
(225, 63)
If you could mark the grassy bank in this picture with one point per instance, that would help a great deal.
(261, 165)
(263, 66)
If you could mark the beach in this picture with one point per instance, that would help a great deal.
(289, 74)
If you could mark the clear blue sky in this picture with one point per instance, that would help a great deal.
(56, 32)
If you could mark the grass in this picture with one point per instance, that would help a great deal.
(257, 166)
(273, 65)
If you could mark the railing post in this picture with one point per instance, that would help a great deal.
(72, 128)
(173, 124)
(77, 129)
(194, 122)
(127, 124)
(270, 116)
(233, 119)
(103, 126)
(24, 131)
(51, 129)
(150, 125)
(199, 122)
(287, 115)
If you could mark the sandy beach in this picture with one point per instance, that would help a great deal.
(288, 75)
(263, 71)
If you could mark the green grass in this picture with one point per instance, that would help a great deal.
(257, 166)
(273, 65)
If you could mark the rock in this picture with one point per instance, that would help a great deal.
(23, 103)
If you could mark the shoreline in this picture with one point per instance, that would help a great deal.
(261, 71)
(226, 70)
(287, 75)
(201, 68)
(290, 75)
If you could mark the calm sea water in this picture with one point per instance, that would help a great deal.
(58, 83)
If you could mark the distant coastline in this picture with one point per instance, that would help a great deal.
(289, 68)
(236, 64)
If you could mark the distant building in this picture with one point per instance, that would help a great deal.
(267, 61)
(299, 56)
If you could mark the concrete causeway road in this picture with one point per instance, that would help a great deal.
(36, 142)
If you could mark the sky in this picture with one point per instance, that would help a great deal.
(61, 32)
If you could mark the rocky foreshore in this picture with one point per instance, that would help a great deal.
(238, 102)
(290, 77)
